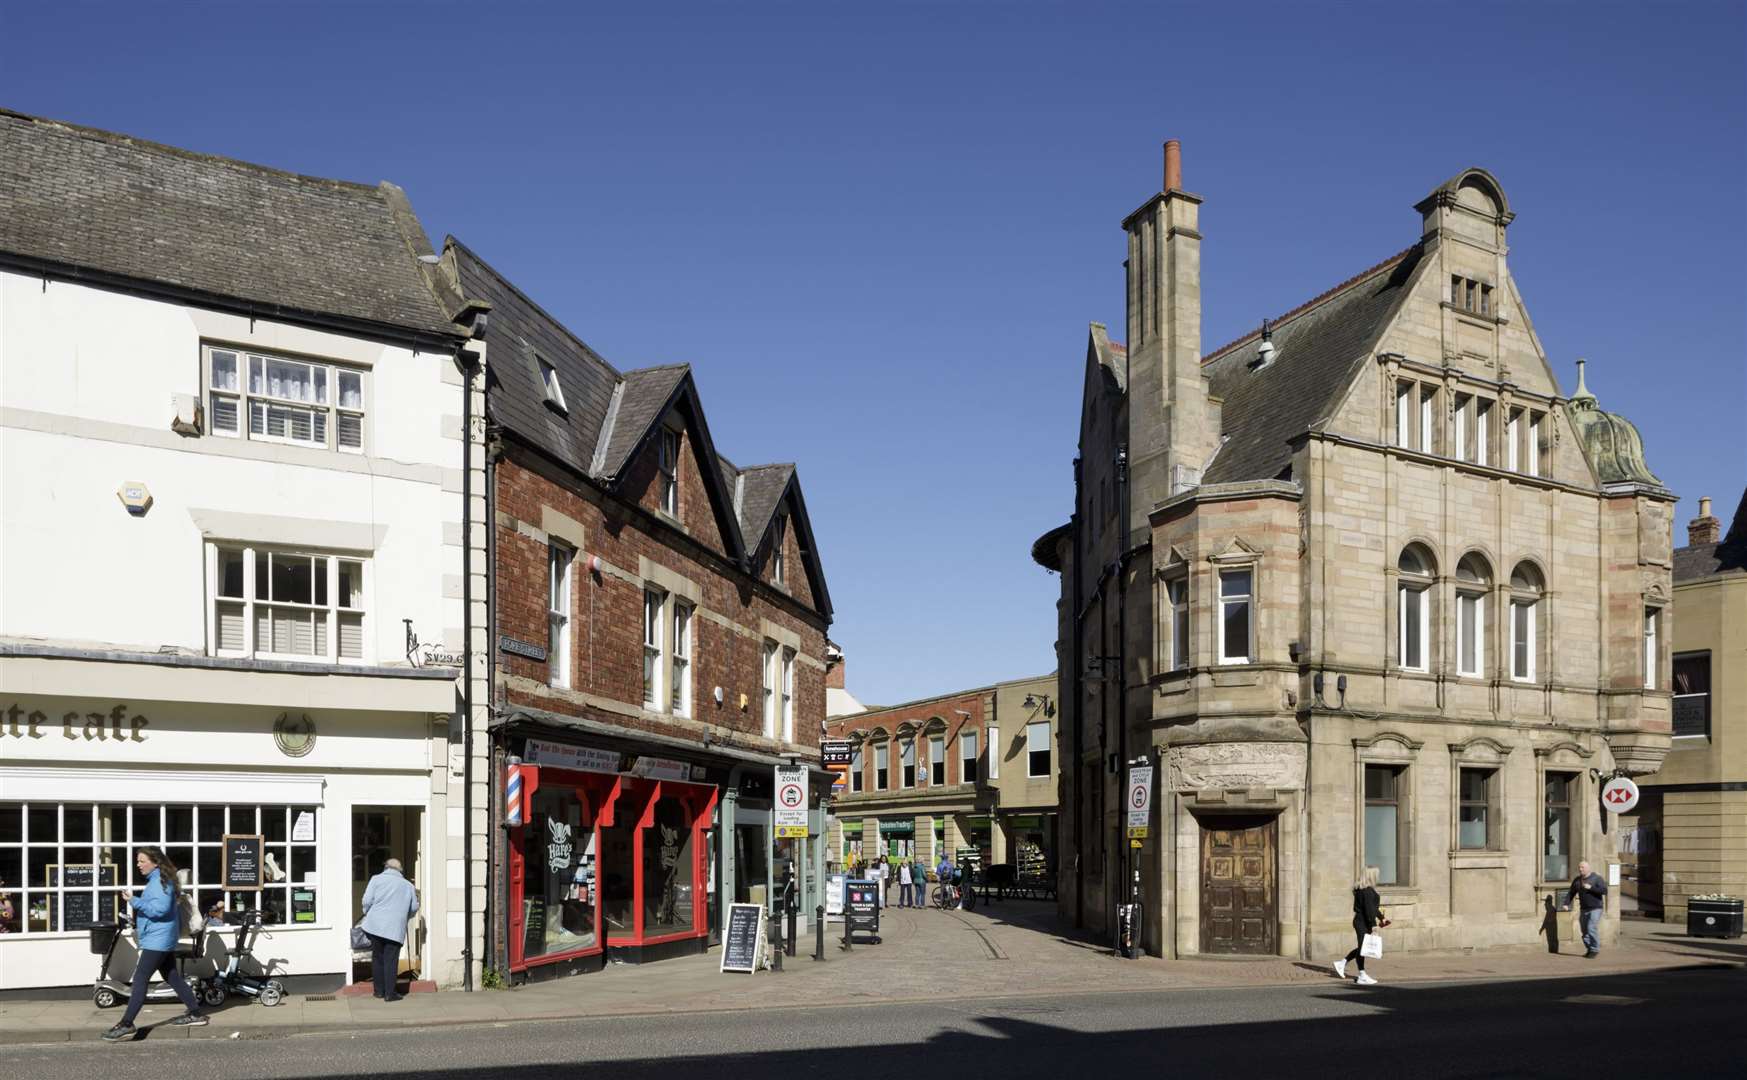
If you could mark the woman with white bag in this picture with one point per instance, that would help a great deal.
(1367, 920)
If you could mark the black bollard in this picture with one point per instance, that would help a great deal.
(775, 937)
(819, 932)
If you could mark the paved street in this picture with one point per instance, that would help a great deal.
(1524, 1028)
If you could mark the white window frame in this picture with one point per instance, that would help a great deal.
(882, 765)
(788, 694)
(1533, 449)
(1417, 592)
(1471, 605)
(1245, 600)
(1404, 390)
(325, 566)
(1531, 609)
(909, 771)
(1032, 732)
(1482, 418)
(1462, 450)
(778, 569)
(768, 676)
(994, 769)
(937, 759)
(1652, 616)
(654, 647)
(324, 405)
(1512, 440)
(1428, 396)
(1177, 606)
(967, 756)
(857, 765)
(559, 604)
(667, 462)
(682, 620)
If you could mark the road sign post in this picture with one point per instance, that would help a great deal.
(791, 801)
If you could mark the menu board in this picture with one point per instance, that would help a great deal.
(744, 933)
(80, 907)
(242, 861)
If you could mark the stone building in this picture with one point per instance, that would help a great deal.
(972, 774)
(1368, 589)
(658, 615)
(1691, 823)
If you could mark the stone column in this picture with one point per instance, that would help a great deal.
(997, 839)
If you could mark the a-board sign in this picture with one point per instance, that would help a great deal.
(242, 861)
(834, 895)
(743, 938)
(861, 906)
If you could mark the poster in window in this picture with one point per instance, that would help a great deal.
(303, 905)
(303, 829)
(242, 861)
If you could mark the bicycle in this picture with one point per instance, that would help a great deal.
(947, 897)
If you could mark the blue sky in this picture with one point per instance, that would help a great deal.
(878, 231)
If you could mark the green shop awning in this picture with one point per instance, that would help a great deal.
(906, 827)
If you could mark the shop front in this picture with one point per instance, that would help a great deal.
(285, 811)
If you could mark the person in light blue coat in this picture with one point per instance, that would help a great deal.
(389, 901)
(157, 924)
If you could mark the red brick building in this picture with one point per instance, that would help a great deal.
(659, 615)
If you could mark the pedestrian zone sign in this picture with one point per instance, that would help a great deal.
(1140, 800)
(791, 801)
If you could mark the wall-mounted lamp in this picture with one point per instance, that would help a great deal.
(1033, 701)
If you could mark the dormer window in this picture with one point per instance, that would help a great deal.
(549, 379)
(668, 463)
(1470, 295)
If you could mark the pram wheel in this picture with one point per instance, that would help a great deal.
(105, 998)
(272, 992)
(212, 995)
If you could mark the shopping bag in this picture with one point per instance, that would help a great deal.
(360, 940)
(1372, 947)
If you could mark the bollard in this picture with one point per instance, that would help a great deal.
(848, 941)
(819, 932)
(776, 945)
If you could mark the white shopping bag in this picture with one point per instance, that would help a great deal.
(1372, 947)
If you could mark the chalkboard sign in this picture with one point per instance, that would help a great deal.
(81, 907)
(242, 862)
(745, 934)
(533, 925)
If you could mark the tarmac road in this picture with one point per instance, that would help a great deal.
(1684, 1021)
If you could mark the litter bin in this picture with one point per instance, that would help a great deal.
(102, 936)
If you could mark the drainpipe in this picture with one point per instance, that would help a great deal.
(494, 851)
(1122, 849)
(1076, 675)
(469, 369)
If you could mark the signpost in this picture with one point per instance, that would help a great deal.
(837, 755)
(744, 938)
(791, 801)
(1619, 795)
(1140, 801)
(242, 861)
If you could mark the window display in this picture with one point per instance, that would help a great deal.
(558, 897)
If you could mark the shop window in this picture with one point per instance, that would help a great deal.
(1558, 789)
(1475, 798)
(967, 756)
(857, 762)
(1234, 615)
(1692, 695)
(937, 760)
(63, 865)
(618, 881)
(284, 400)
(907, 763)
(669, 893)
(558, 875)
(558, 560)
(287, 605)
(1037, 749)
(1385, 786)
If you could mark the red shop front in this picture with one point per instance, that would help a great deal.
(607, 861)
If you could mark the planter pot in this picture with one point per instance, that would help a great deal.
(1713, 918)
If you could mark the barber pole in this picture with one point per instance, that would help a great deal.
(512, 795)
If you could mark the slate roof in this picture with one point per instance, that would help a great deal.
(1319, 347)
(608, 413)
(1729, 556)
(80, 202)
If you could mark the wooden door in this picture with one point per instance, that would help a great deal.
(1239, 897)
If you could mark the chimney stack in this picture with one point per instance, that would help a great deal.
(1173, 165)
(1704, 529)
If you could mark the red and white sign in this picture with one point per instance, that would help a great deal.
(1140, 798)
(1619, 795)
(791, 801)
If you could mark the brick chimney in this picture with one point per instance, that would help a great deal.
(834, 667)
(1704, 529)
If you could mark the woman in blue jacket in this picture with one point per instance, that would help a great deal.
(157, 925)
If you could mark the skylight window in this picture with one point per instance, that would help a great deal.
(549, 377)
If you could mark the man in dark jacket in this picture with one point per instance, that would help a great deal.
(1590, 891)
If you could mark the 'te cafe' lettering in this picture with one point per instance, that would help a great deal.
(114, 726)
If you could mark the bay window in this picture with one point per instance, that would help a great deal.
(278, 399)
(287, 604)
(1651, 617)
(1234, 615)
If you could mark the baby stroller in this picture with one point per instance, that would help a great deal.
(233, 979)
(109, 991)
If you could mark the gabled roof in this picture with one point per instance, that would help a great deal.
(1319, 347)
(609, 415)
(1728, 556)
(77, 202)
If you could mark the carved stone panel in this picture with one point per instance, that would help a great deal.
(1237, 765)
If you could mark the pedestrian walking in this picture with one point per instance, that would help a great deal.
(1367, 919)
(157, 924)
(1590, 892)
(903, 884)
(389, 901)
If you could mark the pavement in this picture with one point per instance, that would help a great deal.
(1010, 950)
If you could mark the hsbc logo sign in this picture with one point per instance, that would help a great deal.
(1619, 795)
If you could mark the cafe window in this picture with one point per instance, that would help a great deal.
(1558, 789)
(277, 399)
(1475, 794)
(64, 865)
(287, 605)
(1384, 822)
(1037, 749)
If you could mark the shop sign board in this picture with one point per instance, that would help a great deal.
(836, 751)
(1620, 795)
(564, 756)
(791, 801)
(1140, 800)
(743, 938)
(242, 861)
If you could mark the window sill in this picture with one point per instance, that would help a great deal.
(667, 518)
(1471, 859)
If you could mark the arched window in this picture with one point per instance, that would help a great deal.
(1413, 610)
(1473, 578)
(1526, 587)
